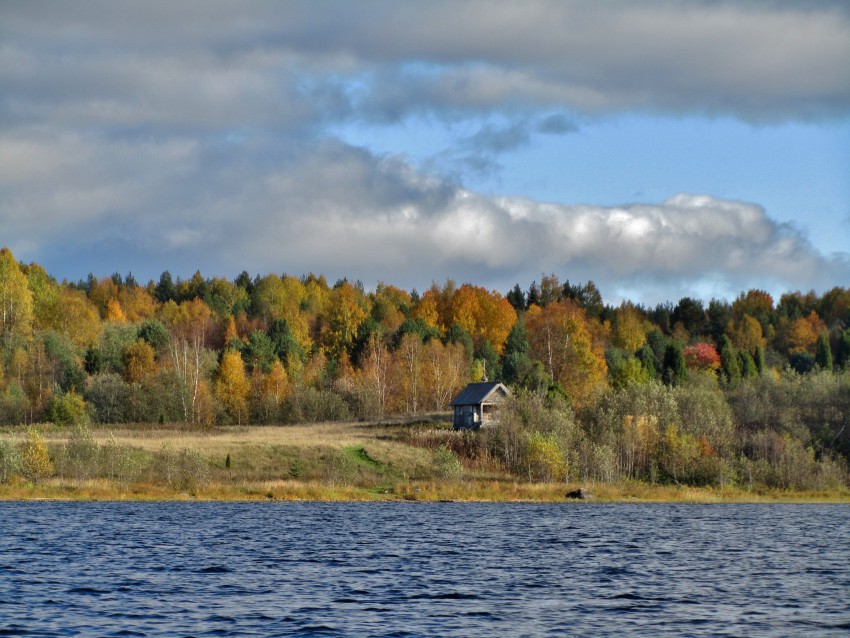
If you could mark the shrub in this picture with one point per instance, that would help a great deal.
(13, 405)
(184, 470)
(10, 461)
(35, 458)
(79, 459)
(118, 462)
(339, 468)
(309, 404)
(544, 458)
(108, 397)
(447, 464)
(68, 408)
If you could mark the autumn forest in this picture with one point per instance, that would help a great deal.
(756, 390)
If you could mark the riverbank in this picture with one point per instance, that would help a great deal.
(374, 461)
(413, 491)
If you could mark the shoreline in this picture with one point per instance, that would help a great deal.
(518, 493)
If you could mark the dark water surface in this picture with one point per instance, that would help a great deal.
(406, 569)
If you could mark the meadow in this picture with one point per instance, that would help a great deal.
(327, 461)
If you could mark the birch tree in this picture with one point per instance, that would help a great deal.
(16, 314)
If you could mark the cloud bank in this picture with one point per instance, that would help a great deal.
(341, 211)
(156, 135)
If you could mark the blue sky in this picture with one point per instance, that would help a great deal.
(660, 149)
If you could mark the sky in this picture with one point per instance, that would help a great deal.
(661, 149)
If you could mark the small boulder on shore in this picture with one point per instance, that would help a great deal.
(580, 494)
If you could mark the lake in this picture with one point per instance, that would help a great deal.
(423, 569)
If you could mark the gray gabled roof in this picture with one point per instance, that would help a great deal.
(476, 393)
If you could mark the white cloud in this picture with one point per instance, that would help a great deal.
(339, 210)
(193, 133)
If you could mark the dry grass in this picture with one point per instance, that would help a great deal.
(425, 491)
(338, 462)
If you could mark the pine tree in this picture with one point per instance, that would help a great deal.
(646, 355)
(842, 351)
(758, 357)
(675, 370)
(730, 369)
(823, 352)
(747, 365)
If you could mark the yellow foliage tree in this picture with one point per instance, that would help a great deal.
(283, 298)
(276, 383)
(100, 292)
(445, 370)
(426, 310)
(139, 361)
(45, 292)
(409, 366)
(544, 458)
(387, 305)
(114, 312)
(137, 304)
(344, 317)
(628, 330)
(16, 312)
(35, 458)
(746, 333)
(232, 386)
(559, 337)
(230, 331)
(190, 322)
(377, 378)
(76, 318)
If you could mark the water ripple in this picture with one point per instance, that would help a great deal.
(300, 569)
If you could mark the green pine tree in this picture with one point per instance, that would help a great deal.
(758, 357)
(675, 371)
(730, 370)
(823, 352)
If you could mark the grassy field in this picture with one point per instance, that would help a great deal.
(320, 461)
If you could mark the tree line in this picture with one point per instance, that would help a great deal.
(279, 348)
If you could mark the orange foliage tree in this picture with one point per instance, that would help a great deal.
(486, 316)
(427, 310)
(803, 333)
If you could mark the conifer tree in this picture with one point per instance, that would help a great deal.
(646, 355)
(675, 369)
(823, 352)
(758, 358)
(730, 370)
(747, 365)
(842, 352)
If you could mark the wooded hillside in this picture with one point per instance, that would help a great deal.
(756, 378)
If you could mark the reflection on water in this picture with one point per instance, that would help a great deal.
(406, 569)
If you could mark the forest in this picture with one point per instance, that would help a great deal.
(755, 391)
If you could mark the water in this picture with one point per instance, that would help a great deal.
(406, 569)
